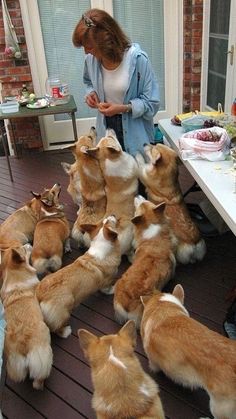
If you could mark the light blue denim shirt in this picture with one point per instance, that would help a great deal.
(142, 93)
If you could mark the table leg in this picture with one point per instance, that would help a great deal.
(14, 139)
(6, 154)
(74, 126)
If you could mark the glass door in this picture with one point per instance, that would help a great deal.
(219, 54)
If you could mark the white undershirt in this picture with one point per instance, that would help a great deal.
(115, 82)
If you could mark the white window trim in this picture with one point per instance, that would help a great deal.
(205, 53)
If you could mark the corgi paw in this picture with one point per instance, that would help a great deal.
(153, 367)
(108, 290)
(38, 384)
(67, 246)
(64, 332)
(139, 159)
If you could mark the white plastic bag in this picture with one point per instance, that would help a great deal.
(209, 144)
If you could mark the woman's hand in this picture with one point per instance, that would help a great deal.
(110, 109)
(92, 100)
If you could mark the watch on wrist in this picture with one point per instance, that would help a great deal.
(128, 108)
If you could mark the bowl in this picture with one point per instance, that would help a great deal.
(10, 107)
(193, 123)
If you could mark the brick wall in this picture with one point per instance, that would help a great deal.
(192, 27)
(13, 73)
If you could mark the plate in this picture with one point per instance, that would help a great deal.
(34, 106)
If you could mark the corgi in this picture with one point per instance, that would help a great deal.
(120, 172)
(92, 187)
(74, 187)
(27, 340)
(60, 292)
(19, 226)
(121, 387)
(51, 235)
(188, 352)
(160, 177)
(154, 261)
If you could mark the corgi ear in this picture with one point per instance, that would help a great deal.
(109, 233)
(86, 338)
(84, 149)
(129, 330)
(137, 220)
(145, 298)
(160, 207)
(87, 228)
(36, 195)
(178, 292)
(93, 152)
(155, 159)
(66, 167)
(16, 256)
(114, 149)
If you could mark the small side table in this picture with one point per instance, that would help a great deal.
(25, 112)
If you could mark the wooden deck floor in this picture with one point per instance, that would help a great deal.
(68, 391)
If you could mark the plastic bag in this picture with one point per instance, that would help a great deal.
(209, 144)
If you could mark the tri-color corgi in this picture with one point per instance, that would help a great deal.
(160, 177)
(27, 342)
(60, 292)
(153, 264)
(121, 387)
(188, 352)
(121, 179)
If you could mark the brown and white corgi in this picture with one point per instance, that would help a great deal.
(92, 187)
(74, 188)
(121, 387)
(27, 340)
(19, 226)
(51, 236)
(153, 264)
(60, 292)
(160, 177)
(121, 178)
(188, 352)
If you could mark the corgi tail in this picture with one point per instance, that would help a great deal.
(17, 367)
(40, 362)
(42, 265)
(122, 316)
(54, 263)
(191, 253)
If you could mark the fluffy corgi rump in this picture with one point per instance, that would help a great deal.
(153, 264)
(121, 387)
(51, 236)
(27, 342)
(120, 172)
(188, 352)
(160, 177)
(60, 292)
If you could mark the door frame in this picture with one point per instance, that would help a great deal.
(230, 88)
(173, 50)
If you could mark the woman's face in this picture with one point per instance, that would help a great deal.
(90, 48)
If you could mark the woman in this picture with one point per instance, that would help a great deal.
(119, 79)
